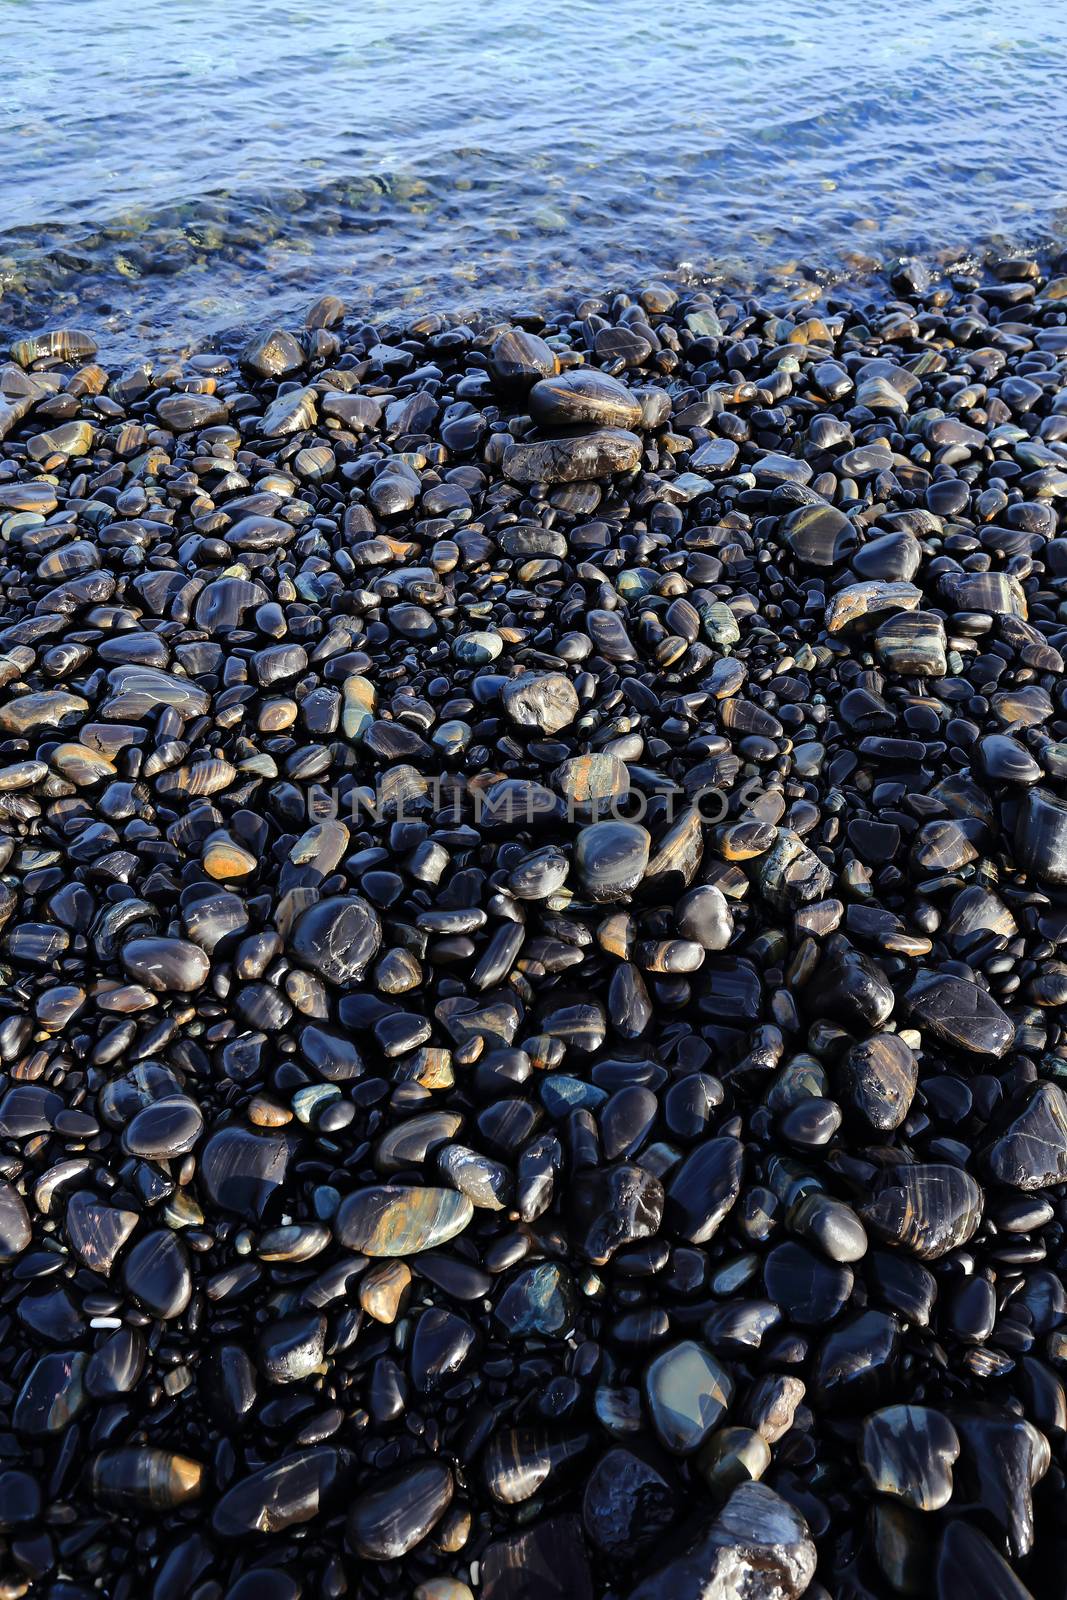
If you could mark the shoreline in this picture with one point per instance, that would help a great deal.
(571, 1184)
(851, 272)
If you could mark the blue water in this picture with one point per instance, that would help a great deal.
(172, 170)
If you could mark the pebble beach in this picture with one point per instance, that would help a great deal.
(534, 899)
(533, 804)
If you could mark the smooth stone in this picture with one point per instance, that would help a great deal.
(1032, 1152)
(97, 1231)
(926, 1209)
(285, 1494)
(394, 1220)
(818, 535)
(584, 395)
(610, 859)
(969, 1564)
(1003, 1457)
(52, 1395)
(338, 938)
(519, 1462)
(20, 1499)
(831, 1225)
(156, 1273)
(144, 1479)
(909, 1451)
(440, 1346)
(687, 1392)
(166, 966)
(703, 915)
(913, 644)
(809, 1289)
(902, 1284)
(16, 1232)
(518, 359)
(879, 1077)
(241, 1171)
(959, 1013)
(857, 1363)
(891, 557)
(733, 1456)
(166, 1128)
(397, 1513)
(704, 1189)
(1041, 836)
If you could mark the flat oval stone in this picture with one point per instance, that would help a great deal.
(166, 1128)
(518, 359)
(687, 1392)
(578, 458)
(394, 1220)
(584, 395)
(166, 966)
(909, 1451)
(831, 1225)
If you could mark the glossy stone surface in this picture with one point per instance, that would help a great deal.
(758, 1546)
(398, 1221)
(687, 1392)
(529, 847)
(909, 1451)
(388, 1520)
(927, 1209)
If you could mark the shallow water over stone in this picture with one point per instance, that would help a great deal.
(253, 158)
